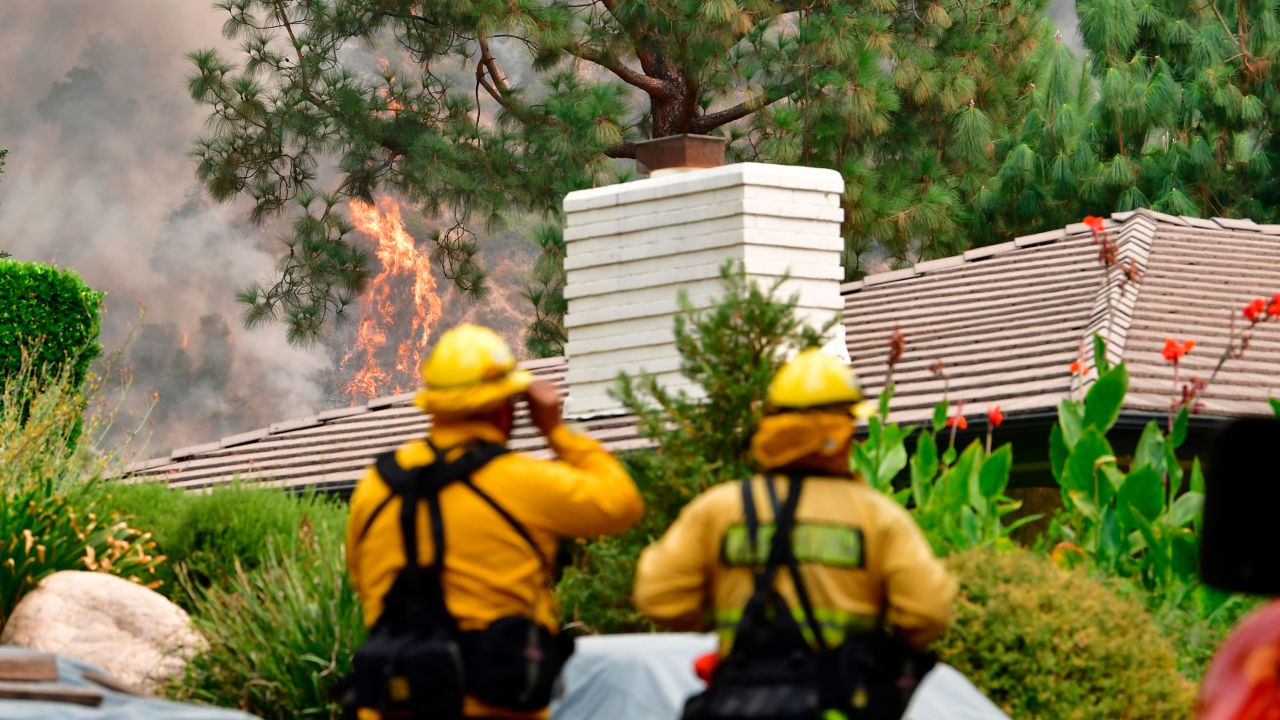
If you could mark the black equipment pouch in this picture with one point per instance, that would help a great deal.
(773, 673)
(416, 663)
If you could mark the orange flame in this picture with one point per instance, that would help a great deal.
(404, 268)
(184, 340)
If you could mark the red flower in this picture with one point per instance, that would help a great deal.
(994, 417)
(1078, 368)
(1174, 351)
(1273, 309)
(1256, 310)
(958, 421)
(1096, 224)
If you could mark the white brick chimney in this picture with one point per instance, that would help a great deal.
(631, 247)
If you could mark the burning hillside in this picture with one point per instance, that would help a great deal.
(408, 299)
(399, 308)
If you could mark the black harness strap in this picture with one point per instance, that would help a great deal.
(515, 524)
(789, 556)
(781, 551)
(416, 585)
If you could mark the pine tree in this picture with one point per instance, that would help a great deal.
(488, 106)
(1172, 109)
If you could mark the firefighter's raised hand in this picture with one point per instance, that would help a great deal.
(544, 406)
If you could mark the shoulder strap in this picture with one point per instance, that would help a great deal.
(796, 482)
(511, 520)
(781, 541)
(750, 519)
(420, 483)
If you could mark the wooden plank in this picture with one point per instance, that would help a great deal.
(28, 666)
(62, 693)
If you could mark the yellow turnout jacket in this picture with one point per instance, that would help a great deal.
(489, 570)
(858, 551)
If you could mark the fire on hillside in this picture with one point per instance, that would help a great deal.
(384, 366)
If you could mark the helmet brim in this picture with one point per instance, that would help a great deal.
(474, 398)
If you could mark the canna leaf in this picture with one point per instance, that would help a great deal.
(994, 476)
(1140, 499)
(1105, 398)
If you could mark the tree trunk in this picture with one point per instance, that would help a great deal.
(674, 114)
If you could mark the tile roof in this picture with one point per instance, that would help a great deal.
(331, 449)
(1007, 320)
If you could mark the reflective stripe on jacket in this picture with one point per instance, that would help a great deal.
(859, 551)
(490, 571)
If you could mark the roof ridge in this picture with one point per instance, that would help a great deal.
(1111, 316)
(1116, 221)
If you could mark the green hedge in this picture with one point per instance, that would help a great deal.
(48, 312)
(1045, 642)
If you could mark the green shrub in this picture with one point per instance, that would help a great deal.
(41, 438)
(1045, 642)
(206, 536)
(43, 531)
(1197, 622)
(595, 591)
(279, 636)
(50, 314)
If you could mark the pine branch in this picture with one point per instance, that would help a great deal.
(706, 123)
(1244, 53)
(495, 72)
(283, 14)
(654, 87)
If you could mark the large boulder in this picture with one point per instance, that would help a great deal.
(134, 634)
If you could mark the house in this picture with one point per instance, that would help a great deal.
(1007, 321)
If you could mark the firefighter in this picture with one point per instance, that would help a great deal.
(490, 571)
(860, 554)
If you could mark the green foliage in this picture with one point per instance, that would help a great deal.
(730, 353)
(206, 537)
(1197, 622)
(44, 530)
(48, 318)
(546, 335)
(48, 522)
(484, 107)
(1175, 104)
(279, 636)
(1132, 522)
(43, 431)
(959, 499)
(1044, 642)
(595, 591)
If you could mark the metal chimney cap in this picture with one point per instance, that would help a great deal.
(681, 151)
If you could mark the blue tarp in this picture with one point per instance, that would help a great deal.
(115, 705)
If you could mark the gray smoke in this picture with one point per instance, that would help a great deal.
(98, 125)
